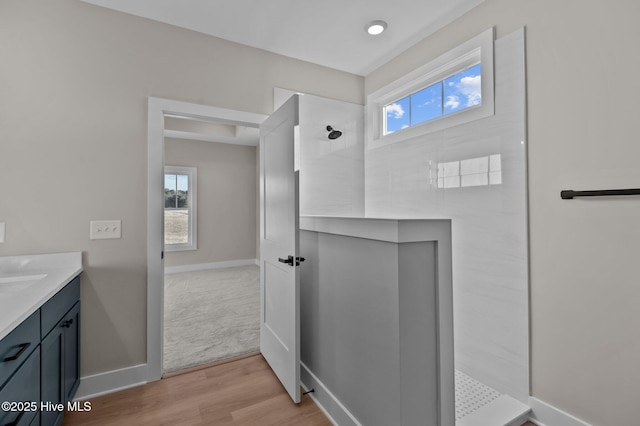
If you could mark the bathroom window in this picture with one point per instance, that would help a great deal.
(456, 93)
(180, 208)
(453, 89)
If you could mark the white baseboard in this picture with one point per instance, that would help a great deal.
(212, 265)
(544, 414)
(111, 381)
(325, 400)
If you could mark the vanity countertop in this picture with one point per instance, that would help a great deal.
(27, 282)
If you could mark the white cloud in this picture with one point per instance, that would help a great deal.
(395, 110)
(453, 102)
(471, 88)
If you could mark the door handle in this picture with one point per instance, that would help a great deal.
(289, 260)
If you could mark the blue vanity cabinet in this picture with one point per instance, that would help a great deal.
(60, 360)
(71, 359)
(52, 374)
(20, 373)
(23, 391)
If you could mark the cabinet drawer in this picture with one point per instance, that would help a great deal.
(17, 345)
(23, 387)
(58, 305)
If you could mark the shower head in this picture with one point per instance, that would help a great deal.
(333, 134)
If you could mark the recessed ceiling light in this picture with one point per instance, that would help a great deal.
(375, 27)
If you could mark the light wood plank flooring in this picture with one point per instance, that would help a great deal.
(242, 392)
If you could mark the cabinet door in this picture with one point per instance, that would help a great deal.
(16, 347)
(71, 352)
(24, 386)
(51, 374)
(61, 364)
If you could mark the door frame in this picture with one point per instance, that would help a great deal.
(158, 108)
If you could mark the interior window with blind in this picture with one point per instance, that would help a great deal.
(180, 208)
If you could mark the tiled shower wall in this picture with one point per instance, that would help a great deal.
(331, 171)
(474, 174)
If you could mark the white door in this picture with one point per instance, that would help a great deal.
(279, 277)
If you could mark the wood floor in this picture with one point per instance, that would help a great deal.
(243, 392)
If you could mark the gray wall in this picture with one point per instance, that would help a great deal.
(74, 83)
(582, 134)
(227, 209)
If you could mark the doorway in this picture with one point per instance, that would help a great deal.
(211, 303)
(159, 111)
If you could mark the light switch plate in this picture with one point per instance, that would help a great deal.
(1, 232)
(105, 229)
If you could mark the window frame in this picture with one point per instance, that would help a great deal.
(192, 174)
(479, 49)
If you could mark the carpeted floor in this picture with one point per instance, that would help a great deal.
(210, 315)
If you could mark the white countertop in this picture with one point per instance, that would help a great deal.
(27, 282)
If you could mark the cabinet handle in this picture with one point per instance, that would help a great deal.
(16, 421)
(22, 347)
(67, 323)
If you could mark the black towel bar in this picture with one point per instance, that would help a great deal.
(570, 194)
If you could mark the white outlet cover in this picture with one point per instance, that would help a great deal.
(2, 232)
(105, 229)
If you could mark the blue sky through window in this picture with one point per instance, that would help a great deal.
(426, 104)
(462, 90)
(398, 115)
(455, 93)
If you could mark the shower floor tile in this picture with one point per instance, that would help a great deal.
(471, 395)
(477, 403)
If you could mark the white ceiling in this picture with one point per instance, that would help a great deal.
(327, 32)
